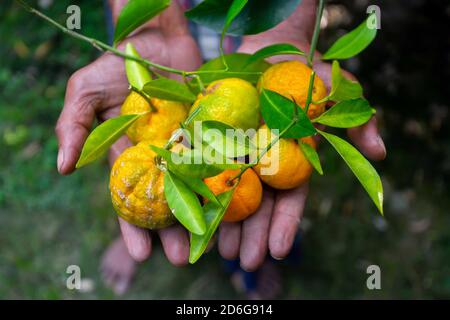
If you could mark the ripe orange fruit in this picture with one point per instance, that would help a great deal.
(159, 124)
(232, 101)
(246, 197)
(137, 188)
(290, 166)
(291, 79)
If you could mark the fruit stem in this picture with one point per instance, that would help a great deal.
(145, 96)
(315, 38)
(310, 91)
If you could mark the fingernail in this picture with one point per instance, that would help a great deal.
(277, 258)
(60, 160)
(381, 143)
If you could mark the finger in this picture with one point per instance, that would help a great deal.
(74, 123)
(229, 240)
(255, 230)
(175, 242)
(288, 210)
(117, 148)
(137, 240)
(368, 140)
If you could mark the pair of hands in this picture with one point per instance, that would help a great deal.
(99, 89)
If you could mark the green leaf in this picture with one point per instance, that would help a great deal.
(256, 17)
(278, 113)
(137, 74)
(341, 87)
(275, 50)
(198, 186)
(168, 89)
(194, 163)
(353, 42)
(237, 68)
(228, 141)
(347, 114)
(213, 216)
(103, 136)
(134, 14)
(184, 204)
(363, 170)
(312, 156)
(234, 10)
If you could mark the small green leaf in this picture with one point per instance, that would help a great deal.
(194, 163)
(134, 14)
(213, 217)
(256, 17)
(363, 170)
(137, 74)
(347, 114)
(168, 89)
(352, 43)
(225, 139)
(103, 136)
(341, 87)
(275, 50)
(312, 156)
(278, 113)
(184, 204)
(198, 186)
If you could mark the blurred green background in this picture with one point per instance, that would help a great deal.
(48, 222)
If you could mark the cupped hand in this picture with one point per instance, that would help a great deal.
(97, 92)
(274, 226)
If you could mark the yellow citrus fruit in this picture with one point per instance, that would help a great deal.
(158, 124)
(284, 166)
(137, 188)
(291, 80)
(232, 101)
(246, 197)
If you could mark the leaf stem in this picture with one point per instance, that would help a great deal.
(310, 91)
(315, 37)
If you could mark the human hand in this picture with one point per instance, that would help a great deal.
(99, 89)
(274, 226)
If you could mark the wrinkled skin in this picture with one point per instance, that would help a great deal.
(98, 89)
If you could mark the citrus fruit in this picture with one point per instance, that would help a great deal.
(232, 101)
(289, 168)
(158, 124)
(246, 197)
(137, 188)
(291, 80)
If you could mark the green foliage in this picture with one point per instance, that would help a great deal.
(135, 13)
(362, 168)
(312, 156)
(278, 113)
(184, 204)
(168, 89)
(103, 137)
(225, 139)
(275, 50)
(347, 114)
(352, 43)
(341, 87)
(213, 216)
(137, 74)
(256, 17)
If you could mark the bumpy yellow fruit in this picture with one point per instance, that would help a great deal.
(158, 124)
(291, 79)
(137, 188)
(293, 168)
(232, 101)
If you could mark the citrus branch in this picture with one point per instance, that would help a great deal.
(101, 46)
(315, 37)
